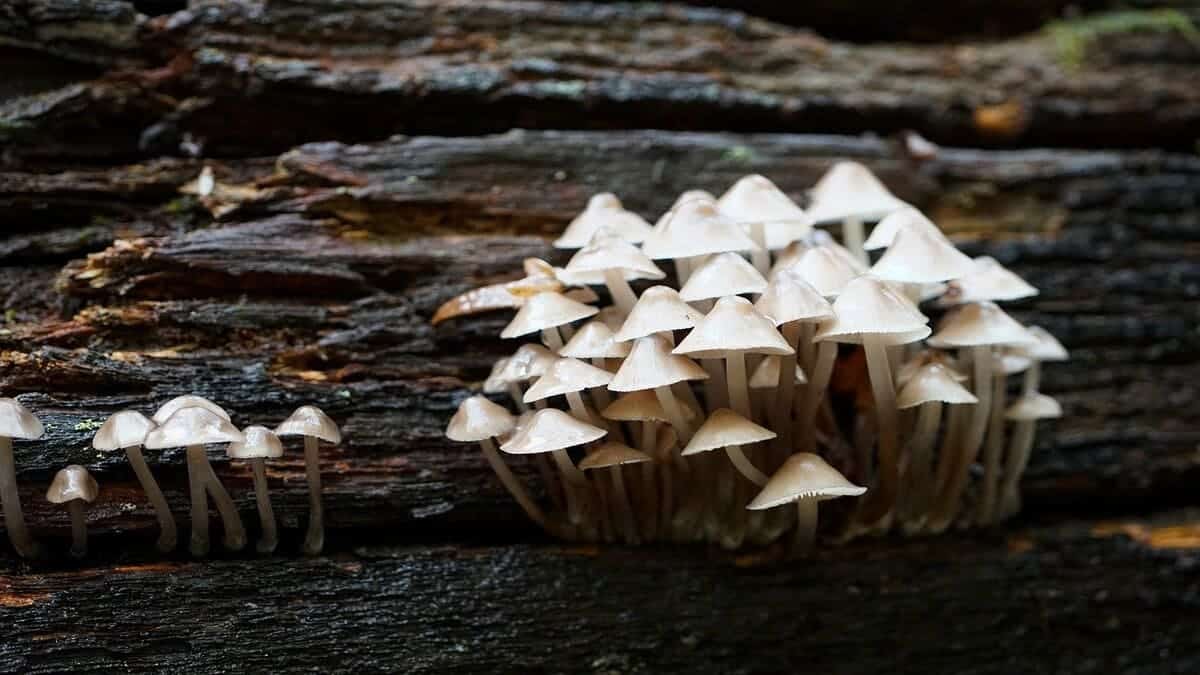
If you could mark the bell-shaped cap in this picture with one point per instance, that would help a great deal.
(603, 211)
(790, 255)
(722, 274)
(977, 324)
(850, 190)
(124, 429)
(606, 251)
(71, 483)
(683, 198)
(658, 310)
(476, 419)
(870, 306)
(495, 382)
(566, 376)
(933, 382)
(651, 364)
(1047, 347)
(755, 199)
(822, 239)
(724, 428)
(17, 422)
(988, 280)
(885, 230)
(595, 340)
(611, 454)
(187, 401)
(1012, 360)
(309, 420)
(529, 361)
(733, 325)
(923, 358)
(546, 310)
(696, 228)
(192, 426)
(1035, 406)
(260, 443)
(641, 406)
(550, 429)
(919, 256)
(825, 270)
(788, 297)
(766, 375)
(804, 476)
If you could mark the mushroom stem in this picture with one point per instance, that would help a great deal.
(1020, 447)
(235, 532)
(78, 528)
(195, 463)
(807, 511)
(553, 487)
(314, 539)
(714, 386)
(683, 270)
(650, 470)
(785, 390)
(518, 396)
(623, 507)
(745, 466)
(883, 497)
(552, 338)
(511, 483)
(739, 390)
(600, 394)
(948, 504)
(572, 478)
(14, 519)
(666, 398)
(760, 256)
(920, 483)
(818, 380)
(1033, 378)
(853, 237)
(269, 537)
(649, 506)
(622, 295)
(166, 522)
(993, 452)
(578, 409)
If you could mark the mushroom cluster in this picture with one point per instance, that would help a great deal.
(783, 368)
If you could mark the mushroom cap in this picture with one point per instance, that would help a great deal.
(790, 255)
(908, 217)
(17, 422)
(612, 453)
(733, 325)
(720, 275)
(260, 442)
(607, 251)
(977, 324)
(724, 428)
(121, 430)
(850, 190)
(641, 406)
(921, 256)
(989, 280)
(651, 364)
(822, 239)
(683, 198)
(495, 382)
(871, 306)
(825, 270)
(766, 375)
(603, 210)
(696, 228)
(566, 376)
(71, 483)
(187, 401)
(933, 382)
(529, 361)
(595, 340)
(1047, 347)
(923, 358)
(755, 199)
(1012, 360)
(610, 316)
(192, 426)
(545, 310)
(550, 429)
(667, 439)
(804, 476)
(1035, 406)
(788, 297)
(309, 420)
(478, 418)
(658, 310)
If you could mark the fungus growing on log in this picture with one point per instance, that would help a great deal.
(75, 487)
(315, 426)
(126, 430)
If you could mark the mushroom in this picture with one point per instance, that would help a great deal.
(807, 480)
(720, 275)
(315, 426)
(773, 219)
(550, 314)
(193, 427)
(169, 408)
(607, 259)
(529, 362)
(850, 193)
(74, 486)
(614, 456)
(651, 365)
(826, 270)
(727, 429)
(659, 310)
(695, 228)
(126, 430)
(15, 422)
(918, 256)
(596, 342)
(260, 444)
(1026, 411)
(603, 210)
(478, 420)
(906, 217)
(988, 280)
(568, 377)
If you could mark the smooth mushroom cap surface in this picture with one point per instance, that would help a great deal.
(640, 406)
(850, 190)
(192, 426)
(546, 310)
(606, 251)
(17, 422)
(788, 297)
(658, 310)
(977, 324)
(651, 364)
(885, 230)
(611, 454)
(309, 420)
(123, 429)
(989, 280)
(565, 376)
(529, 361)
(71, 483)
(187, 401)
(1047, 347)
(603, 210)
(733, 325)
(1013, 360)
(724, 428)
(919, 256)
(495, 382)
(696, 228)
(870, 306)
(548, 430)
(755, 199)
(804, 476)
(924, 358)
(260, 442)
(1035, 406)
(595, 340)
(933, 382)
(825, 270)
(683, 198)
(766, 375)
(722, 274)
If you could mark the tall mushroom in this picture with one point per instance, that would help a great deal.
(614, 456)
(15, 422)
(917, 256)
(126, 430)
(569, 377)
(723, 274)
(695, 229)
(551, 315)
(603, 210)
(850, 193)
(596, 342)
(1026, 411)
(74, 486)
(651, 366)
(772, 218)
(260, 444)
(807, 480)
(726, 429)
(607, 259)
(315, 426)
(193, 428)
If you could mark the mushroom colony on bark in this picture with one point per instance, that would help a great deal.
(750, 366)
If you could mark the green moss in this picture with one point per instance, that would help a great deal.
(89, 425)
(738, 154)
(1074, 37)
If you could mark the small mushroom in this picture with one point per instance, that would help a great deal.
(15, 422)
(315, 426)
(772, 218)
(659, 310)
(74, 486)
(723, 274)
(126, 430)
(551, 315)
(614, 456)
(907, 217)
(607, 259)
(260, 444)
(850, 193)
(651, 365)
(807, 480)
(570, 377)
(603, 210)
(692, 229)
